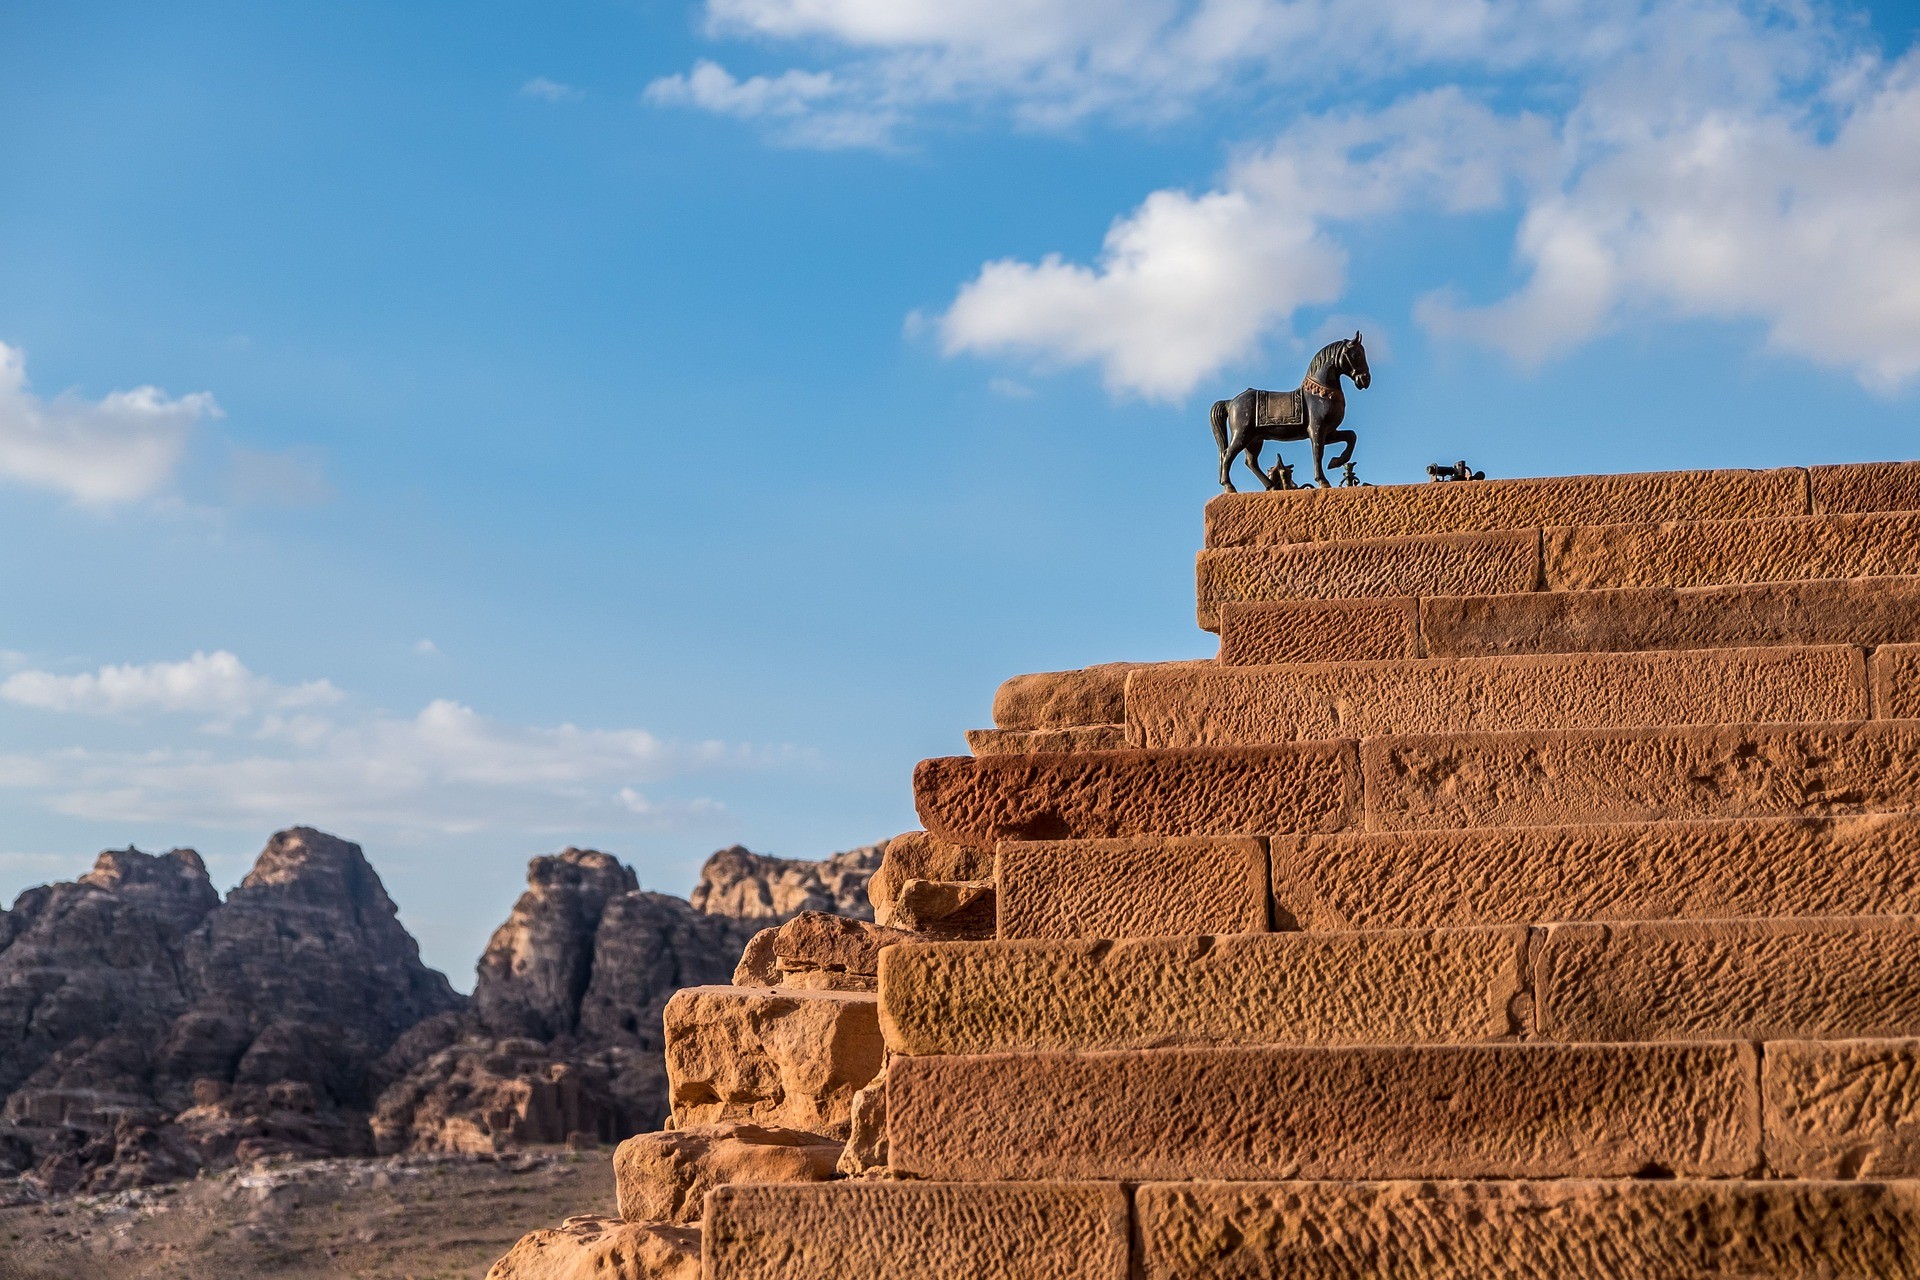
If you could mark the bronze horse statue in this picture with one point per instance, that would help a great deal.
(1313, 412)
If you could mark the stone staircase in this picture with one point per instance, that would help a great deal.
(1530, 889)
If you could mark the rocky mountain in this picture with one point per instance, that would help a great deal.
(149, 1030)
(563, 1034)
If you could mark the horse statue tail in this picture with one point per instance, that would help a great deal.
(1220, 424)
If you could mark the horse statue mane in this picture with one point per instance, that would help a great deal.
(1313, 412)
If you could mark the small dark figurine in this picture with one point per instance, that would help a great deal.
(1281, 476)
(1458, 471)
(1348, 480)
(1312, 412)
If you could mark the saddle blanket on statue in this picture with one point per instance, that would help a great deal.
(1279, 409)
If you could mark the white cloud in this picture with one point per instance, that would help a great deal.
(426, 648)
(1777, 215)
(1187, 284)
(447, 769)
(215, 683)
(802, 103)
(119, 448)
(550, 90)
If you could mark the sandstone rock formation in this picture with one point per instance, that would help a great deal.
(564, 1034)
(148, 1029)
(590, 1248)
(665, 1177)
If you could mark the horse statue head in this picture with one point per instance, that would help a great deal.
(1354, 362)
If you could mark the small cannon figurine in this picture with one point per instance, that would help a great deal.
(1458, 471)
(1281, 476)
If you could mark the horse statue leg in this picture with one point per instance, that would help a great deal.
(1254, 445)
(1229, 446)
(1347, 438)
(1319, 473)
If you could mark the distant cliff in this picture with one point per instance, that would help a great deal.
(149, 1029)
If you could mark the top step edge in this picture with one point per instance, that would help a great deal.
(1370, 512)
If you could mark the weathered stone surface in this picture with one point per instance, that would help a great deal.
(918, 1231)
(1866, 486)
(1009, 742)
(1395, 987)
(1860, 611)
(744, 885)
(1632, 775)
(1722, 551)
(817, 943)
(781, 1057)
(1793, 866)
(866, 1149)
(946, 910)
(591, 1248)
(1318, 631)
(1396, 510)
(1446, 564)
(1468, 1111)
(758, 967)
(1817, 978)
(1062, 699)
(1153, 886)
(1843, 1109)
(916, 855)
(1110, 794)
(1528, 1231)
(665, 1177)
(1248, 706)
(1896, 682)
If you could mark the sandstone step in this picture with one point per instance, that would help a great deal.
(1246, 706)
(1842, 1108)
(1818, 611)
(1580, 1230)
(1063, 699)
(1717, 552)
(917, 1231)
(1699, 868)
(1399, 987)
(981, 800)
(777, 1056)
(1443, 564)
(1792, 979)
(1386, 511)
(1470, 1111)
(1082, 737)
(1812, 979)
(1637, 775)
(1143, 887)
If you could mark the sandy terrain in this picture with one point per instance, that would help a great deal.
(402, 1218)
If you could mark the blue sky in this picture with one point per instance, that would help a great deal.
(478, 428)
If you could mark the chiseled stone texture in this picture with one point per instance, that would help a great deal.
(1896, 682)
(593, 1248)
(1145, 887)
(1062, 699)
(1843, 1109)
(1721, 551)
(778, 1057)
(918, 1231)
(665, 1177)
(1399, 987)
(1632, 775)
(1395, 510)
(1396, 1111)
(1446, 564)
(1083, 737)
(1313, 786)
(1866, 486)
(1860, 611)
(1779, 979)
(945, 910)
(1577, 1230)
(916, 855)
(1319, 631)
(1248, 706)
(1792, 866)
